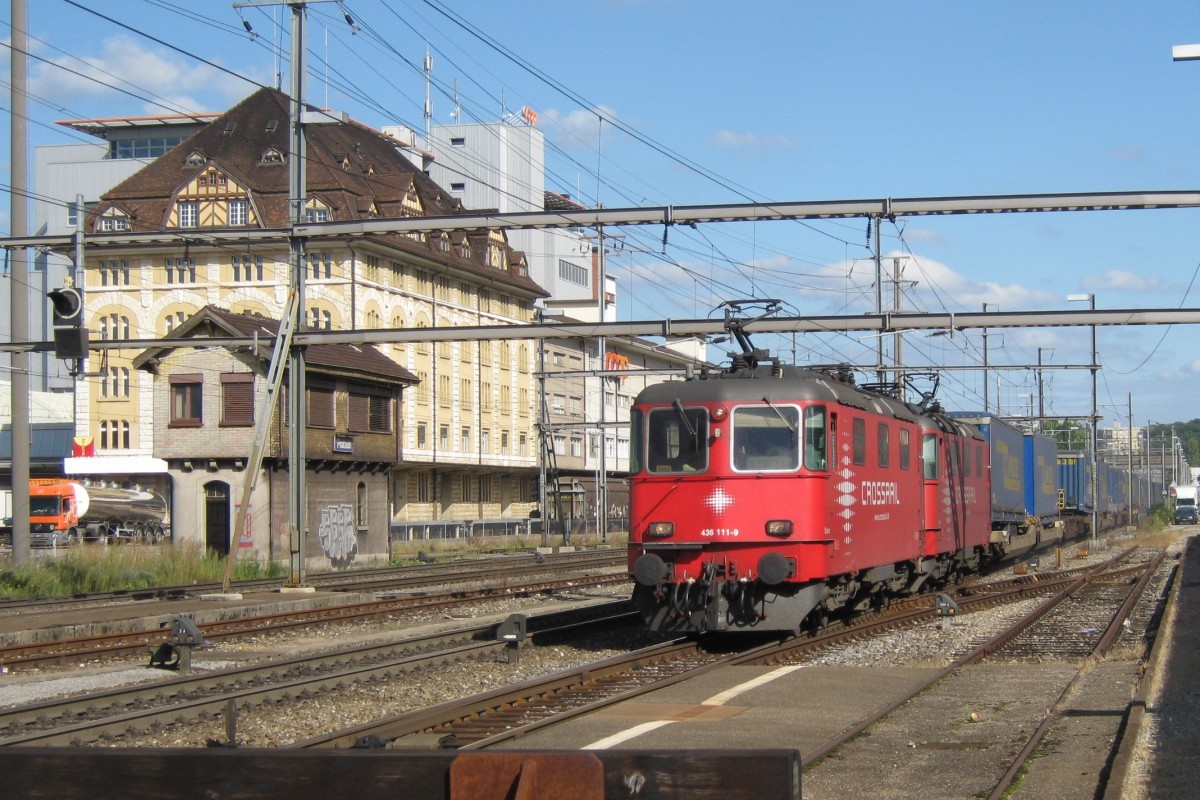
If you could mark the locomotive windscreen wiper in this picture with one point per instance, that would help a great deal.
(779, 414)
(687, 423)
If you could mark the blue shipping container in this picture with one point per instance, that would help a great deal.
(1074, 478)
(1041, 490)
(1007, 447)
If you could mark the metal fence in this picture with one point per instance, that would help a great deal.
(428, 530)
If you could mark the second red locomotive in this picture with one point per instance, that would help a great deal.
(765, 497)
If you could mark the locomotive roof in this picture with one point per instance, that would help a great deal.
(782, 385)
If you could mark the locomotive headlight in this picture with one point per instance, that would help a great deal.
(660, 529)
(779, 527)
(719, 413)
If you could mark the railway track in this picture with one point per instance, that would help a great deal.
(111, 645)
(354, 581)
(122, 714)
(493, 717)
(490, 718)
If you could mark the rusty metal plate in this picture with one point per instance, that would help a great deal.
(526, 776)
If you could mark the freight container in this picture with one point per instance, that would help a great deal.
(1007, 448)
(1041, 490)
(1075, 477)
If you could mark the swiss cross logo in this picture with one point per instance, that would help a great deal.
(719, 500)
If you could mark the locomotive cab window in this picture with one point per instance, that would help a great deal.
(814, 438)
(677, 439)
(766, 438)
(929, 454)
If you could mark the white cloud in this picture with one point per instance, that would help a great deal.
(937, 288)
(939, 285)
(753, 144)
(1123, 281)
(1126, 153)
(126, 65)
(579, 129)
(924, 235)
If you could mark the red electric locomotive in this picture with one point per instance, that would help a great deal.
(765, 497)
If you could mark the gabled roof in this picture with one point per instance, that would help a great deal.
(553, 201)
(350, 167)
(360, 362)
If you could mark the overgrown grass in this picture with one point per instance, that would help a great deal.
(92, 568)
(103, 569)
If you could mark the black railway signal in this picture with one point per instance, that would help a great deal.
(70, 337)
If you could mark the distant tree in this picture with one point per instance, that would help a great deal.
(1069, 434)
(1188, 434)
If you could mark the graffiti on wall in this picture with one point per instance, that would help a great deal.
(338, 538)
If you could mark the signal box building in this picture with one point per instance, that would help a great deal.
(209, 400)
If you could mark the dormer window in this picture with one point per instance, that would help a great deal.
(196, 159)
(443, 243)
(316, 211)
(113, 221)
(272, 155)
(465, 250)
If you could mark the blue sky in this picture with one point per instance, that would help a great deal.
(667, 101)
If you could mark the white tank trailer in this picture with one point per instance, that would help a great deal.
(72, 512)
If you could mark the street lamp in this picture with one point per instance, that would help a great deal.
(1091, 300)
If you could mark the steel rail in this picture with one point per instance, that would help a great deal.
(486, 719)
(1111, 632)
(209, 695)
(129, 642)
(370, 579)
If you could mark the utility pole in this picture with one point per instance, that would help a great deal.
(294, 321)
(898, 336)
(602, 482)
(1041, 393)
(1094, 417)
(986, 387)
(1129, 464)
(544, 447)
(879, 373)
(298, 408)
(18, 295)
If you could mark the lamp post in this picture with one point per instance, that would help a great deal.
(1091, 300)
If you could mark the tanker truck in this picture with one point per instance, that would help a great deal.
(64, 512)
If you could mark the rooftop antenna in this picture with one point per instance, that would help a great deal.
(428, 99)
(454, 115)
(278, 48)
